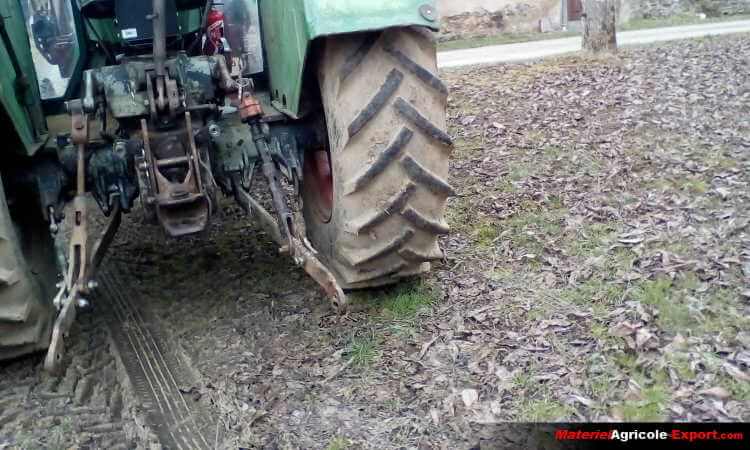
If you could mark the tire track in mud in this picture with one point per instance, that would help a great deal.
(88, 406)
(155, 372)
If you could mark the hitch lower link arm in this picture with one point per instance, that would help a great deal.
(291, 243)
(81, 263)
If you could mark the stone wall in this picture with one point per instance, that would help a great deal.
(473, 18)
(456, 7)
(469, 18)
(667, 8)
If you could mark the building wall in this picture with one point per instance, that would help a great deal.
(456, 7)
(666, 8)
(524, 15)
(463, 18)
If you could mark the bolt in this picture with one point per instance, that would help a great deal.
(93, 284)
(428, 12)
(82, 303)
(53, 228)
(214, 130)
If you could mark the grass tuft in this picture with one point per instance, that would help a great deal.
(543, 410)
(339, 443)
(408, 301)
(363, 350)
(651, 407)
(674, 316)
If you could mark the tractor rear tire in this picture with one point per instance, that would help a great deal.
(388, 155)
(26, 313)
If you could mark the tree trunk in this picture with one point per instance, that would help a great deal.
(599, 26)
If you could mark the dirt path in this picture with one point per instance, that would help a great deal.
(598, 270)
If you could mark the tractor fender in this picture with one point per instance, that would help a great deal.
(290, 27)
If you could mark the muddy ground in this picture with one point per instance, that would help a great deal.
(598, 270)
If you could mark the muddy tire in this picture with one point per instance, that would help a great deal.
(26, 313)
(388, 152)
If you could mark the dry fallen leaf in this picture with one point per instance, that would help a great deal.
(645, 339)
(584, 400)
(469, 397)
(716, 392)
(623, 329)
(736, 373)
(435, 416)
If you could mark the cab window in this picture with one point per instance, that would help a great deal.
(54, 44)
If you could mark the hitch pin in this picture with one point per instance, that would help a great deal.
(53, 226)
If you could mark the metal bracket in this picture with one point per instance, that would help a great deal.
(182, 207)
(64, 321)
(68, 299)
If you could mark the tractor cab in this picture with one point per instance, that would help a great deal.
(53, 37)
(68, 37)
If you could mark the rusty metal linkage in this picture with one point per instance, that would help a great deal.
(284, 232)
(72, 286)
(81, 263)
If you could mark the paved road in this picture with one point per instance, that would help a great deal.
(541, 49)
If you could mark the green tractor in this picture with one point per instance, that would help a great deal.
(157, 107)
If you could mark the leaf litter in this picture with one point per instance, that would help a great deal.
(598, 269)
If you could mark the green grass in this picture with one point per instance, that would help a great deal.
(651, 407)
(60, 433)
(521, 171)
(627, 362)
(695, 186)
(723, 315)
(339, 443)
(592, 240)
(485, 234)
(506, 186)
(461, 215)
(407, 301)
(522, 380)
(653, 402)
(502, 39)
(543, 410)
(599, 294)
(392, 313)
(688, 281)
(674, 316)
(392, 310)
(681, 364)
(740, 390)
(676, 21)
(600, 332)
(528, 229)
(363, 350)
(466, 147)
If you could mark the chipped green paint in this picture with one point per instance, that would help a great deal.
(290, 26)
